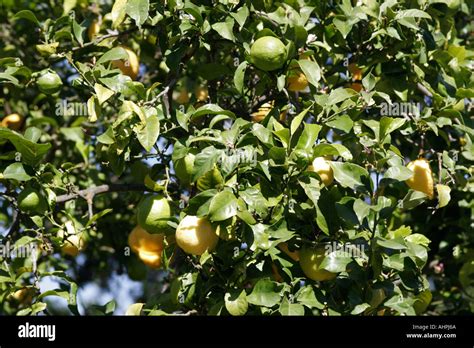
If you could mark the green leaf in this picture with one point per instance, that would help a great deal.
(419, 239)
(223, 206)
(241, 15)
(388, 125)
(423, 300)
(236, 303)
(324, 149)
(361, 209)
(265, 293)
(119, 11)
(78, 32)
(335, 262)
(16, 171)
(239, 76)
(360, 308)
(31, 153)
(340, 94)
(205, 161)
(134, 309)
(343, 122)
(115, 53)
(148, 133)
(212, 109)
(399, 173)
(103, 93)
(412, 13)
(349, 174)
(412, 199)
(295, 123)
(396, 243)
(444, 195)
(225, 29)
(27, 14)
(97, 216)
(290, 309)
(308, 136)
(311, 70)
(138, 10)
(306, 297)
(466, 277)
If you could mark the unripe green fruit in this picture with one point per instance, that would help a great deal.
(183, 168)
(32, 202)
(268, 53)
(49, 82)
(310, 261)
(153, 213)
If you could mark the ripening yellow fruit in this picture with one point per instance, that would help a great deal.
(310, 260)
(322, 167)
(422, 178)
(202, 93)
(151, 259)
(140, 239)
(276, 274)
(24, 295)
(73, 243)
(357, 86)
(294, 255)
(128, 67)
(93, 30)
(195, 235)
(149, 247)
(183, 97)
(12, 121)
(297, 81)
(356, 72)
(262, 112)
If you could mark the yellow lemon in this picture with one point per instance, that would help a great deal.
(149, 247)
(355, 71)
(321, 166)
(196, 235)
(294, 255)
(422, 178)
(297, 81)
(356, 86)
(140, 240)
(151, 259)
(12, 121)
(73, 243)
(202, 93)
(130, 66)
(262, 112)
(93, 30)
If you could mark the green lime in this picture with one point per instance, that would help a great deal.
(49, 82)
(183, 168)
(210, 180)
(153, 214)
(268, 53)
(31, 201)
(310, 261)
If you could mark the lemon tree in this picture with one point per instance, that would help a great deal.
(238, 157)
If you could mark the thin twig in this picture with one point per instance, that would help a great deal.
(101, 189)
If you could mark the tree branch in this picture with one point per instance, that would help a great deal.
(91, 192)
